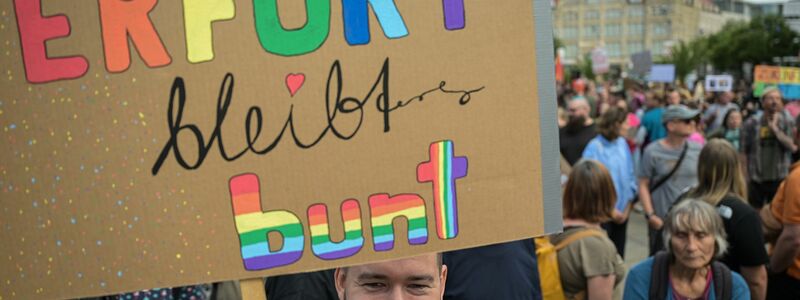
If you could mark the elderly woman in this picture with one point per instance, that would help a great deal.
(721, 184)
(694, 236)
(588, 263)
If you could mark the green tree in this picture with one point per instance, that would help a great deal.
(585, 66)
(687, 56)
(756, 42)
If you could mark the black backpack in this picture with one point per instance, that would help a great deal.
(723, 280)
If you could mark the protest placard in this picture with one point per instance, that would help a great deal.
(642, 62)
(719, 83)
(164, 143)
(600, 64)
(787, 79)
(662, 73)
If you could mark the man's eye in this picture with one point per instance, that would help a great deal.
(373, 285)
(419, 289)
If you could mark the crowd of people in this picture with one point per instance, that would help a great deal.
(715, 175)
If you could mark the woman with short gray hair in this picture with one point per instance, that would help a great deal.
(694, 236)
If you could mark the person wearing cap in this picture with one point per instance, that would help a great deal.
(767, 146)
(667, 168)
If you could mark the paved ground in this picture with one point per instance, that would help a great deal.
(636, 245)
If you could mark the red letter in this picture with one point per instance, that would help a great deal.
(123, 18)
(34, 30)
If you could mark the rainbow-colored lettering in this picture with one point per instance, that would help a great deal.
(253, 227)
(442, 170)
(384, 209)
(321, 243)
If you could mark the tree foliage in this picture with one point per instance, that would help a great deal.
(687, 56)
(756, 42)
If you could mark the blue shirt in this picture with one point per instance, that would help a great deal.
(637, 285)
(616, 157)
(654, 125)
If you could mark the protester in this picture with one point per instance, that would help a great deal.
(317, 285)
(714, 115)
(721, 184)
(784, 282)
(652, 125)
(667, 168)
(673, 97)
(694, 235)
(510, 270)
(730, 129)
(612, 150)
(580, 129)
(419, 277)
(767, 145)
(589, 267)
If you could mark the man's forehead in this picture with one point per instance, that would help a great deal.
(425, 265)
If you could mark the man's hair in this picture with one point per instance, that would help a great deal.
(589, 194)
(693, 215)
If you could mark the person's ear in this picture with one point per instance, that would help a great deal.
(443, 280)
(339, 277)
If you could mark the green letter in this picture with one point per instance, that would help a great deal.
(278, 40)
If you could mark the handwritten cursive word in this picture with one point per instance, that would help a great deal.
(254, 120)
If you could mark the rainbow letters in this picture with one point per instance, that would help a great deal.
(442, 170)
(321, 243)
(254, 225)
(122, 20)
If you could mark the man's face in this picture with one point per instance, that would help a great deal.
(772, 102)
(412, 278)
(673, 98)
(726, 97)
(683, 128)
(578, 109)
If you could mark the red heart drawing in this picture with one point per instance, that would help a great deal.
(294, 82)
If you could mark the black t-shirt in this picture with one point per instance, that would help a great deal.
(745, 238)
(573, 141)
(500, 271)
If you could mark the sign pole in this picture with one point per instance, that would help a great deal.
(253, 289)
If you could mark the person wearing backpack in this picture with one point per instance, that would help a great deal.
(694, 236)
(588, 264)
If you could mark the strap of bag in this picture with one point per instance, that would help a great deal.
(723, 281)
(674, 169)
(659, 278)
(577, 236)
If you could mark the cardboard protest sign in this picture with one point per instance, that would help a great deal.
(642, 62)
(164, 143)
(662, 73)
(787, 79)
(600, 64)
(719, 83)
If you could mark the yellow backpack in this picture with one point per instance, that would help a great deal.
(547, 260)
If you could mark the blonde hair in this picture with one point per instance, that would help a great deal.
(693, 215)
(719, 173)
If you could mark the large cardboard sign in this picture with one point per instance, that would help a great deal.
(156, 143)
(787, 79)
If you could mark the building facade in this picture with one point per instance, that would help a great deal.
(625, 27)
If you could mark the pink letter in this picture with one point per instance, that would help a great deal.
(34, 31)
